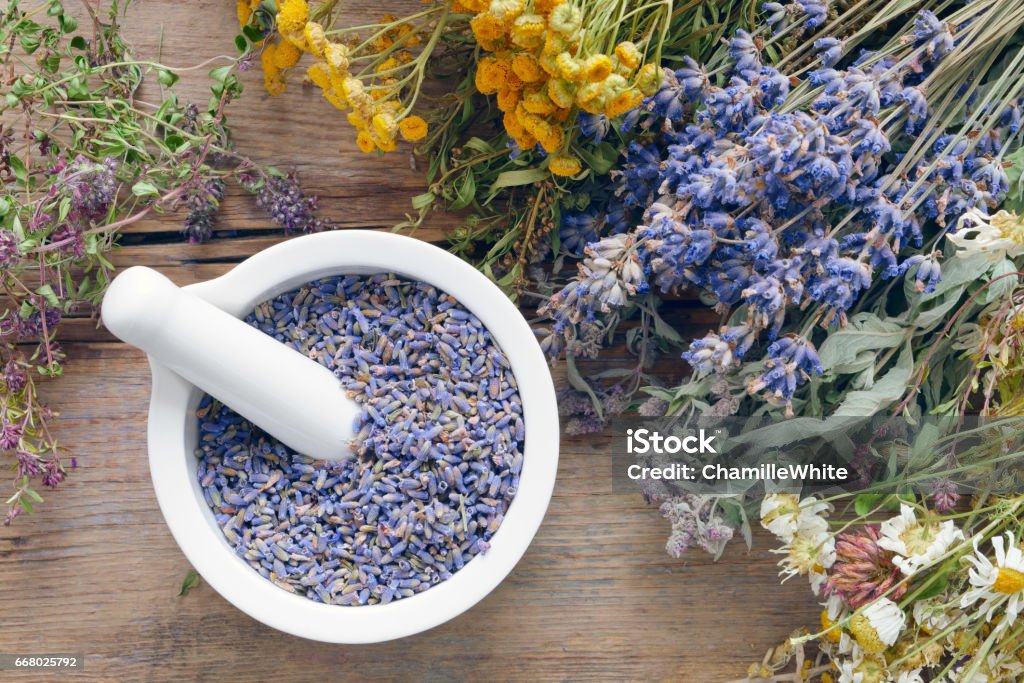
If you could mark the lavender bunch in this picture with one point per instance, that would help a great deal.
(782, 200)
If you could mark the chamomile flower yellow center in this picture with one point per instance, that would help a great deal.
(1008, 581)
(866, 634)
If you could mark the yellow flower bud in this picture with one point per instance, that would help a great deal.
(486, 26)
(286, 55)
(528, 30)
(546, 6)
(525, 66)
(649, 78)
(508, 99)
(384, 126)
(365, 142)
(292, 17)
(552, 139)
(506, 10)
(590, 98)
(512, 125)
(566, 19)
(569, 68)
(625, 101)
(413, 128)
(562, 93)
(536, 101)
(564, 165)
(628, 54)
(491, 75)
(315, 38)
(597, 68)
(337, 56)
(319, 76)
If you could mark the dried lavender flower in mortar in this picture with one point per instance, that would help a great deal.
(439, 447)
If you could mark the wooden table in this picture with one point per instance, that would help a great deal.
(97, 573)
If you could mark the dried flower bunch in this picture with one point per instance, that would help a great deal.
(376, 78)
(81, 159)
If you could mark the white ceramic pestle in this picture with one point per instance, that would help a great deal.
(288, 395)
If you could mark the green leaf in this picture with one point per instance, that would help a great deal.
(466, 192)
(601, 159)
(46, 291)
(422, 201)
(33, 494)
(1003, 288)
(958, 270)
(145, 189)
(866, 502)
(524, 176)
(166, 77)
(190, 582)
(221, 73)
(241, 43)
(884, 392)
(842, 351)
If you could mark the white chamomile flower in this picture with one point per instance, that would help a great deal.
(916, 543)
(810, 552)
(910, 677)
(862, 668)
(1000, 235)
(878, 625)
(999, 584)
(931, 615)
(784, 514)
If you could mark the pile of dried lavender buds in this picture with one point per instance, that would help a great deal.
(439, 447)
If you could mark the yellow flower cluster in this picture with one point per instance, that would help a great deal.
(543, 70)
(374, 107)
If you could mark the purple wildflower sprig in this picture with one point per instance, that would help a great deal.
(779, 202)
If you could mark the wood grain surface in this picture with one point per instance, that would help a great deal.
(97, 573)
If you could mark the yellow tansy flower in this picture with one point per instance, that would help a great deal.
(413, 128)
(337, 56)
(538, 102)
(476, 5)
(486, 26)
(628, 54)
(365, 142)
(528, 30)
(649, 78)
(292, 17)
(562, 92)
(508, 99)
(525, 66)
(552, 140)
(384, 126)
(546, 6)
(597, 68)
(286, 55)
(566, 19)
(625, 101)
(319, 76)
(491, 75)
(569, 68)
(315, 38)
(564, 165)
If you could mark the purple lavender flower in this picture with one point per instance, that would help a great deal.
(10, 250)
(28, 464)
(283, 200)
(14, 376)
(53, 473)
(204, 199)
(10, 435)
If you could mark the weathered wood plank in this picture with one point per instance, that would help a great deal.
(595, 596)
(97, 572)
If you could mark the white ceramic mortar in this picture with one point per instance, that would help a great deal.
(173, 438)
